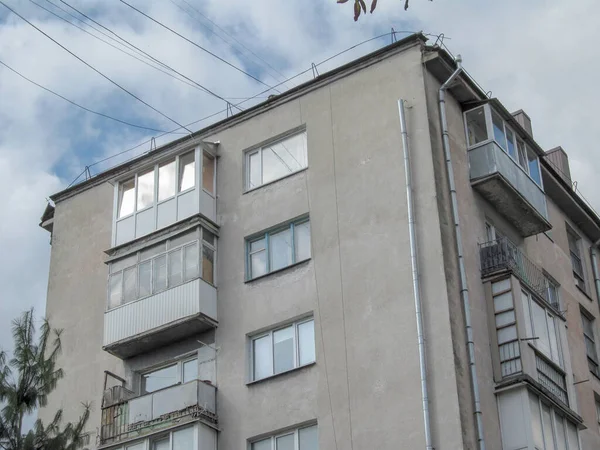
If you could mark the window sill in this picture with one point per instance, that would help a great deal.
(291, 266)
(270, 377)
(247, 191)
(584, 292)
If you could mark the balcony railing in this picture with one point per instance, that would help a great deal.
(501, 254)
(499, 178)
(134, 417)
(552, 379)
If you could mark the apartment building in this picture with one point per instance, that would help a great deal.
(380, 258)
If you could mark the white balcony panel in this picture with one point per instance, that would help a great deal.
(182, 310)
(166, 214)
(187, 205)
(125, 230)
(144, 222)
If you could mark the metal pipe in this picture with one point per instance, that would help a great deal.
(594, 258)
(464, 289)
(415, 277)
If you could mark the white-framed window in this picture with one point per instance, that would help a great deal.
(181, 439)
(305, 438)
(278, 248)
(552, 291)
(551, 430)
(484, 124)
(162, 266)
(589, 336)
(542, 328)
(177, 372)
(275, 160)
(282, 349)
(576, 259)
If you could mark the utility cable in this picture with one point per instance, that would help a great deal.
(77, 104)
(93, 68)
(196, 45)
(266, 64)
(203, 88)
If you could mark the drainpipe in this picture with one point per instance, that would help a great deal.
(594, 257)
(464, 290)
(415, 277)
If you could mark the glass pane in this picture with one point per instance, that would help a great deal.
(191, 262)
(115, 283)
(505, 318)
(166, 180)
(258, 264)
(536, 422)
(498, 126)
(119, 265)
(284, 157)
(208, 237)
(285, 442)
(572, 437)
(265, 444)
(522, 155)
(306, 342)
(175, 268)
(534, 166)
(257, 245)
(503, 301)
(184, 439)
(254, 172)
(526, 313)
(208, 173)
(553, 338)
(510, 140)
(561, 437)
(283, 349)
(507, 334)
(501, 286)
(309, 438)
(280, 249)
(540, 329)
(129, 284)
(145, 277)
(187, 171)
(190, 370)
(548, 432)
(588, 329)
(163, 444)
(126, 197)
(208, 264)
(476, 129)
(261, 354)
(159, 277)
(302, 241)
(161, 378)
(145, 193)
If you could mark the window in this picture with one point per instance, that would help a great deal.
(182, 439)
(541, 325)
(162, 266)
(278, 248)
(551, 430)
(551, 292)
(187, 171)
(598, 412)
(476, 126)
(276, 160)
(590, 342)
(208, 173)
(306, 438)
(282, 349)
(176, 373)
(498, 126)
(576, 261)
(506, 328)
(126, 198)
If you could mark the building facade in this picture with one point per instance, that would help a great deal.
(380, 258)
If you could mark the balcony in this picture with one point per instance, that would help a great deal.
(140, 326)
(503, 255)
(501, 181)
(127, 417)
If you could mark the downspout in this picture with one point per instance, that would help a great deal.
(464, 289)
(594, 257)
(415, 277)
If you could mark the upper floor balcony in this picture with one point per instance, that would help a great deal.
(505, 170)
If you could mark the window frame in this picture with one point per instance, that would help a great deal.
(554, 412)
(266, 235)
(270, 332)
(197, 240)
(575, 252)
(169, 434)
(594, 360)
(258, 149)
(179, 363)
(548, 311)
(273, 438)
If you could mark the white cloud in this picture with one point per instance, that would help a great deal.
(532, 55)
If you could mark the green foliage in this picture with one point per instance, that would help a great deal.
(360, 6)
(26, 380)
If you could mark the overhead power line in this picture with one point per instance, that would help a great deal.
(196, 45)
(202, 88)
(77, 104)
(265, 63)
(92, 67)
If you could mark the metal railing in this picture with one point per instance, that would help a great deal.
(552, 379)
(502, 254)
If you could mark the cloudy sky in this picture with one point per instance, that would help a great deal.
(538, 55)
